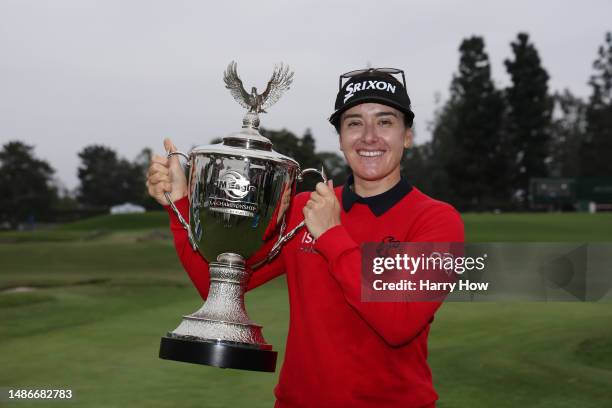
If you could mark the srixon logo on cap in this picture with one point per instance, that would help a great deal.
(353, 88)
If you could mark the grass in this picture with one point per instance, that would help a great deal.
(100, 303)
(568, 227)
(522, 355)
(119, 222)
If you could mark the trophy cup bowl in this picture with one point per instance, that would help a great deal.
(239, 191)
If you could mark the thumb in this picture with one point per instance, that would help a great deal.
(330, 183)
(169, 146)
(173, 161)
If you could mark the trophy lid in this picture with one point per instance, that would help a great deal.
(248, 138)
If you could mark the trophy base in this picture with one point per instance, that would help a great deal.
(218, 354)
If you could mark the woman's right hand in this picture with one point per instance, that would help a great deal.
(166, 175)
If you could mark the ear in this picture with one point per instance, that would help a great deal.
(408, 137)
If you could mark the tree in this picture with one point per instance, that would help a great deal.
(597, 147)
(142, 162)
(417, 166)
(442, 148)
(567, 136)
(466, 143)
(26, 189)
(300, 149)
(106, 180)
(143, 159)
(303, 150)
(528, 124)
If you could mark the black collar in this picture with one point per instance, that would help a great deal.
(379, 204)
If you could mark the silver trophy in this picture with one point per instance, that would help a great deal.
(239, 191)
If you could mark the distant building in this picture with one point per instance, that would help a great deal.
(127, 208)
(581, 194)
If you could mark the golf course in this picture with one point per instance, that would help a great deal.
(83, 307)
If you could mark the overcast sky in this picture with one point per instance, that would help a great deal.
(126, 74)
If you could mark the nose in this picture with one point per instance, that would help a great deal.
(370, 133)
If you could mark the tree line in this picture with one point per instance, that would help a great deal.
(29, 192)
(487, 143)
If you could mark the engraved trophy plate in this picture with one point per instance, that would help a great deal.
(238, 192)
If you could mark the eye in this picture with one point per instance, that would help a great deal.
(353, 123)
(385, 122)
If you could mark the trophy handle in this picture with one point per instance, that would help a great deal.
(184, 223)
(284, 238)
(321, 173)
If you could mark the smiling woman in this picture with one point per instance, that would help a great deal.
(373, 139)
(373, 117)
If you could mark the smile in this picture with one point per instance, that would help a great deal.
(370, 153)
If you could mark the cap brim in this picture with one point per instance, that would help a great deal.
(365, 99)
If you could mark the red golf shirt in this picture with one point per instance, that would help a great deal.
(342, 352)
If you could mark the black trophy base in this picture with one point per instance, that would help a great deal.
(217, 354)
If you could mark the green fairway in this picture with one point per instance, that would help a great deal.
(571, 227)
(97, 295)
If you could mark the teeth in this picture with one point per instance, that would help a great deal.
(370, 153)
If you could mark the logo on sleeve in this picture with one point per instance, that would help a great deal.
(307, 242)
(353, 88)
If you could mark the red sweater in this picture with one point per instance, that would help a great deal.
(342, 352)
